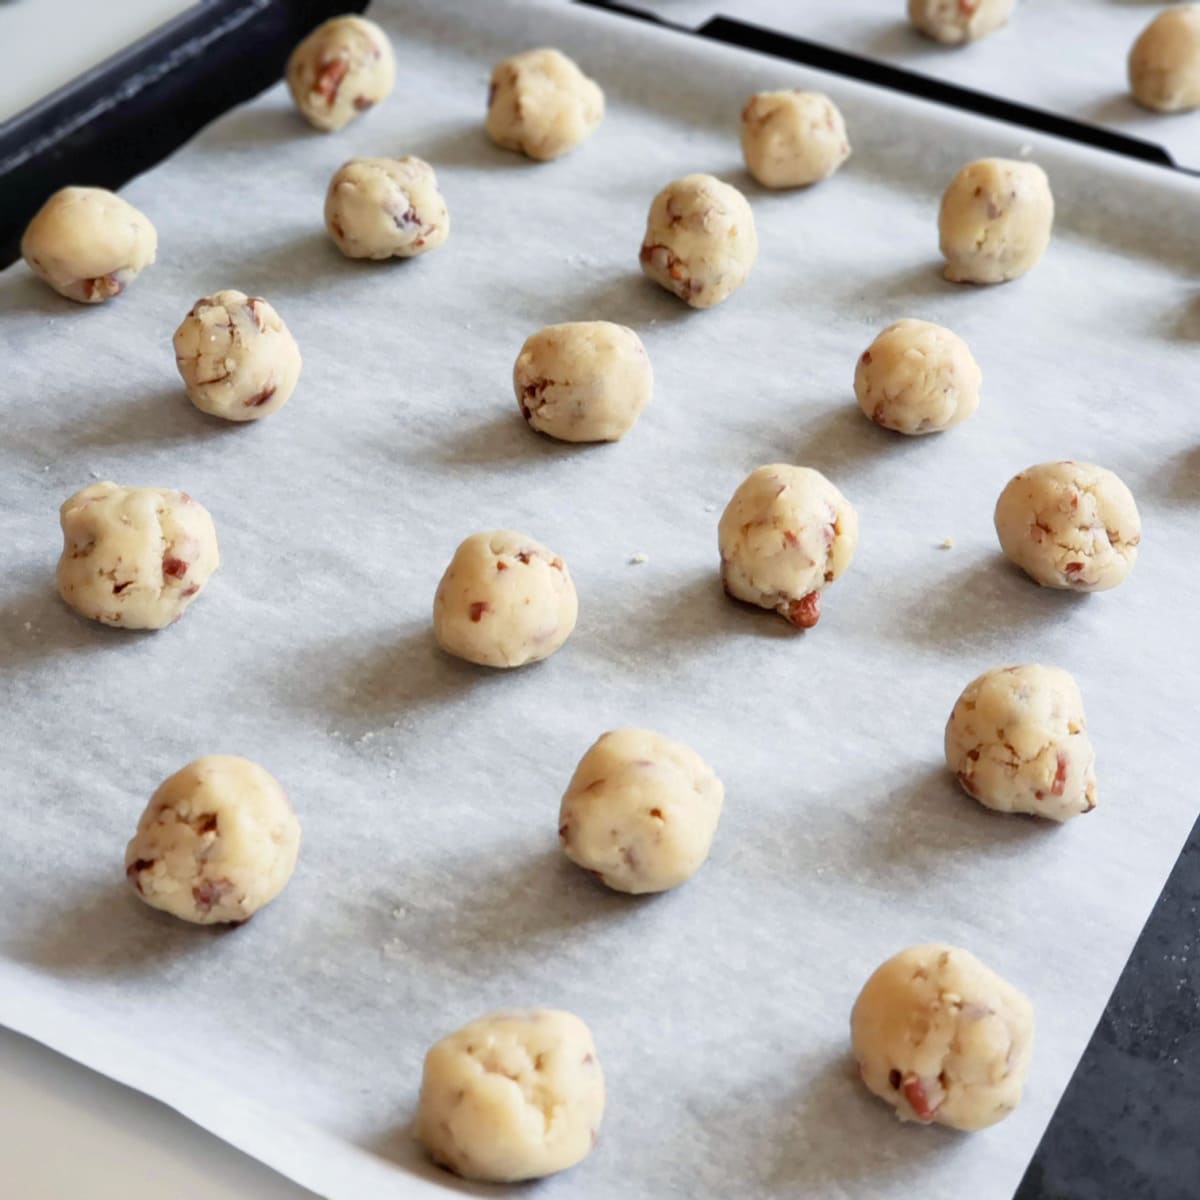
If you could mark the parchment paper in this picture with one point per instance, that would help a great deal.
(1062, 56)
(430, 888)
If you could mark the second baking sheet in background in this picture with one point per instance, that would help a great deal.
(430, 886)
(1061, 56)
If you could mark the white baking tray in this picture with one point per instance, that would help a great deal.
(430, 887)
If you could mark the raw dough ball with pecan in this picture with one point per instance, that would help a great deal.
(917, 377)
(943, 1038)
(785, 535)
(1069, 525)
(341, 69)
(88, 244)
(791, 139)
(505, 600)
(512, 1096)
(134, 557)
(236, 357)
(217, 841)
(585, 381)
(955, 21)
(1017, 741)
(386, 208)
(1164, 64)
(995, 220)
(700, 241)
(640, 811)
(542, 104)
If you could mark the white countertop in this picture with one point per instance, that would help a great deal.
(67, 1133)
(35, 56)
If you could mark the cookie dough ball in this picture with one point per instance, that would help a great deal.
(786, 534)
(995, 220)
(134, 557)
(505, 600)
(1164, 64)
(953, 22)
(342, 68)
(700, 241)
(542, 104)
(640, 811)
(512, 1096)
(791, 139)
(386, 208)
(1017, 742)
(917, 377)
(585, 381)
(236, 357)
(942, 1038)
(1069, 525)
(217, 841)
(88, 244)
